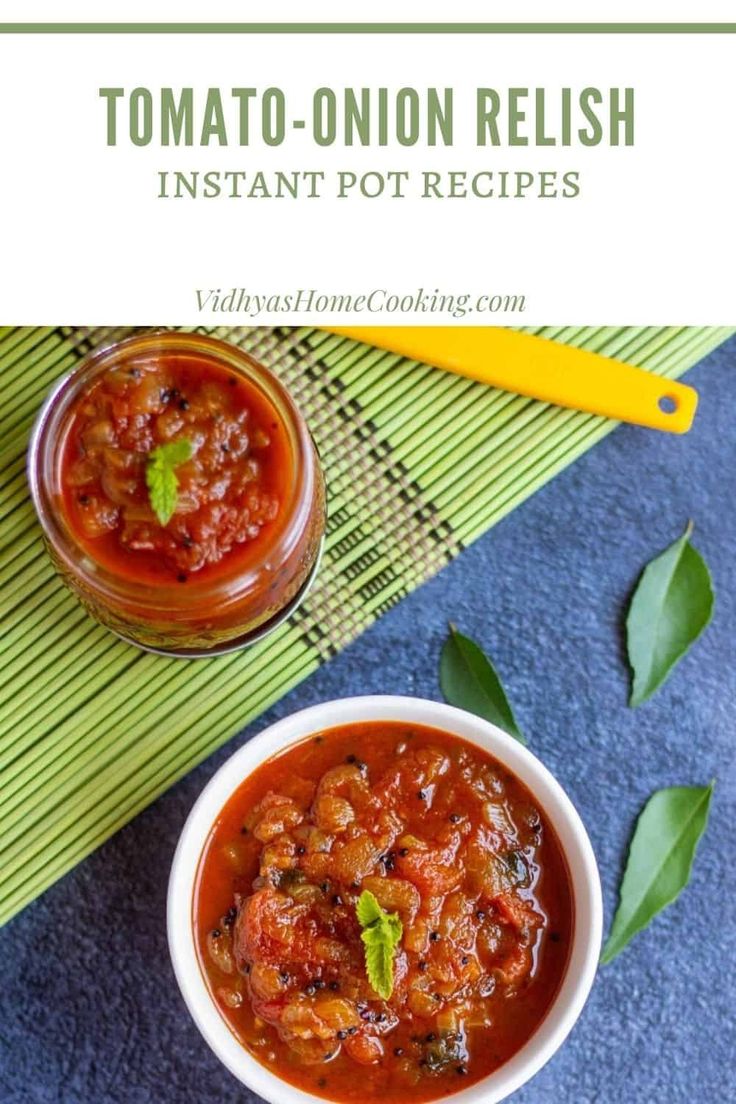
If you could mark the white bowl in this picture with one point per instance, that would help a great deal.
(557, 806)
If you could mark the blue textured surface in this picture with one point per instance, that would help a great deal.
(89, 1011)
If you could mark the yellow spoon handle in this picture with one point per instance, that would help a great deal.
(541, 369)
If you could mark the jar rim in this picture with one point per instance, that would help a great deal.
(106, 584)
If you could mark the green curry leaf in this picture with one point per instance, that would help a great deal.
(161, 478)
(672, 604)
(381, 935)
(468, 680)
(660, 859)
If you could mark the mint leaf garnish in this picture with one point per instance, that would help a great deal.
(161, 478)
(381, 935)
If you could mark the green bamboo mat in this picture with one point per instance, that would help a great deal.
(418, 462)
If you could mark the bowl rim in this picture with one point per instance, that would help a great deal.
(575, 844)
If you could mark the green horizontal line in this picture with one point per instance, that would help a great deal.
(368, 28)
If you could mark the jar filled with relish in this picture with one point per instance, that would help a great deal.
(179, 491)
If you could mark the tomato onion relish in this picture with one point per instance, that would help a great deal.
(442, 836)
(246, 495)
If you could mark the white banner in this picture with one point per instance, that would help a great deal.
(358, 178)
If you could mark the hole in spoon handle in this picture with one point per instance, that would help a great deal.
(668, 404)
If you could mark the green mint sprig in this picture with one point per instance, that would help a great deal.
(381, 935)
(161, 478)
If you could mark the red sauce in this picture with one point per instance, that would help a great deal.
(443, 836)
(230, 492)
(249, 514)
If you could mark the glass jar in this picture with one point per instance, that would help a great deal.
(88, 468)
